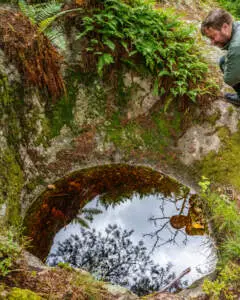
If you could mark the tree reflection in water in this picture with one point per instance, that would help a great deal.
(115, 258)
(116, 253)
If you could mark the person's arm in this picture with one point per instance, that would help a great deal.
(232, 66)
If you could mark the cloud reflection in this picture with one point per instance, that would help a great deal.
(134, 213)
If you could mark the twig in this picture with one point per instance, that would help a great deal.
(172, 283)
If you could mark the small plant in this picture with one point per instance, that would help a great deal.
(232, 6)
(227, 285)
(9, 251)
(65, 266)
(224, 217)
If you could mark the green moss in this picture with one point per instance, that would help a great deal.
(94, 103)
(214, 117)
(154, 134)
(230, 110)
(5, 91)
(65, 266)
(92, 288)
(61, 114)
(224, 166)
(124, 93)
(2, 288)
(45, 134)
(223, 134)
(163, 130)
(39, 180)
(150, 296)
(22, 294)
(11, 182)
(14, 131)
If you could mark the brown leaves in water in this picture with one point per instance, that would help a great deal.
(58, 206)
(31, 52)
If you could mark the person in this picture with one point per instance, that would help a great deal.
(194, 222)
(224, 33)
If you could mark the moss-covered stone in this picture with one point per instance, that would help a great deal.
(11, 182)
(230, 110)
(83, 103)
(212, 119)
(153, 133)
(224, 166)
(5, 91)
(22, 294)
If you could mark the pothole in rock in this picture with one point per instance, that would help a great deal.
(128, 225)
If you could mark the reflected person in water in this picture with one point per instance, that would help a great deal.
(194, 222)
(224, 33)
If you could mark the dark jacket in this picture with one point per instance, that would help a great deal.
(232, 59)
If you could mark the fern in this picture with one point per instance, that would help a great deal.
(104, 60)
(81, 222)
(87, 214)
(56, 36)
(44, 24)
(44, 11)
(27, 10)
(44, 15)
(135, 34)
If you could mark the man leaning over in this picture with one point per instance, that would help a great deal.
(224, 33)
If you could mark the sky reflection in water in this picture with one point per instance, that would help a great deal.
(183, 251)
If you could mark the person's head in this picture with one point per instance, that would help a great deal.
(179, 221)
(217, 26)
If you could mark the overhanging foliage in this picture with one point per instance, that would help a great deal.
(37, 60)
(133, 34)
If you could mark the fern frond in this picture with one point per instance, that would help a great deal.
(81, 222)
(43, 25)
(56, 36)
(47, 10)
(27, 10)
(93, 211)
(104, 60)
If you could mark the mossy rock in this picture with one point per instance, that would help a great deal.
(23, 294)
(223, 167)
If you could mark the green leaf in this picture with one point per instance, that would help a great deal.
(156, 88)
(125, 45)
(164, 73)
(167, 103)
(109, 43)
(43, 25)
(133, 53)
(27, 10)
(104, 60)
(82, 34)
(162, 91)
(82, 222)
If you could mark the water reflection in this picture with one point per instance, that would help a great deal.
(146, 240)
